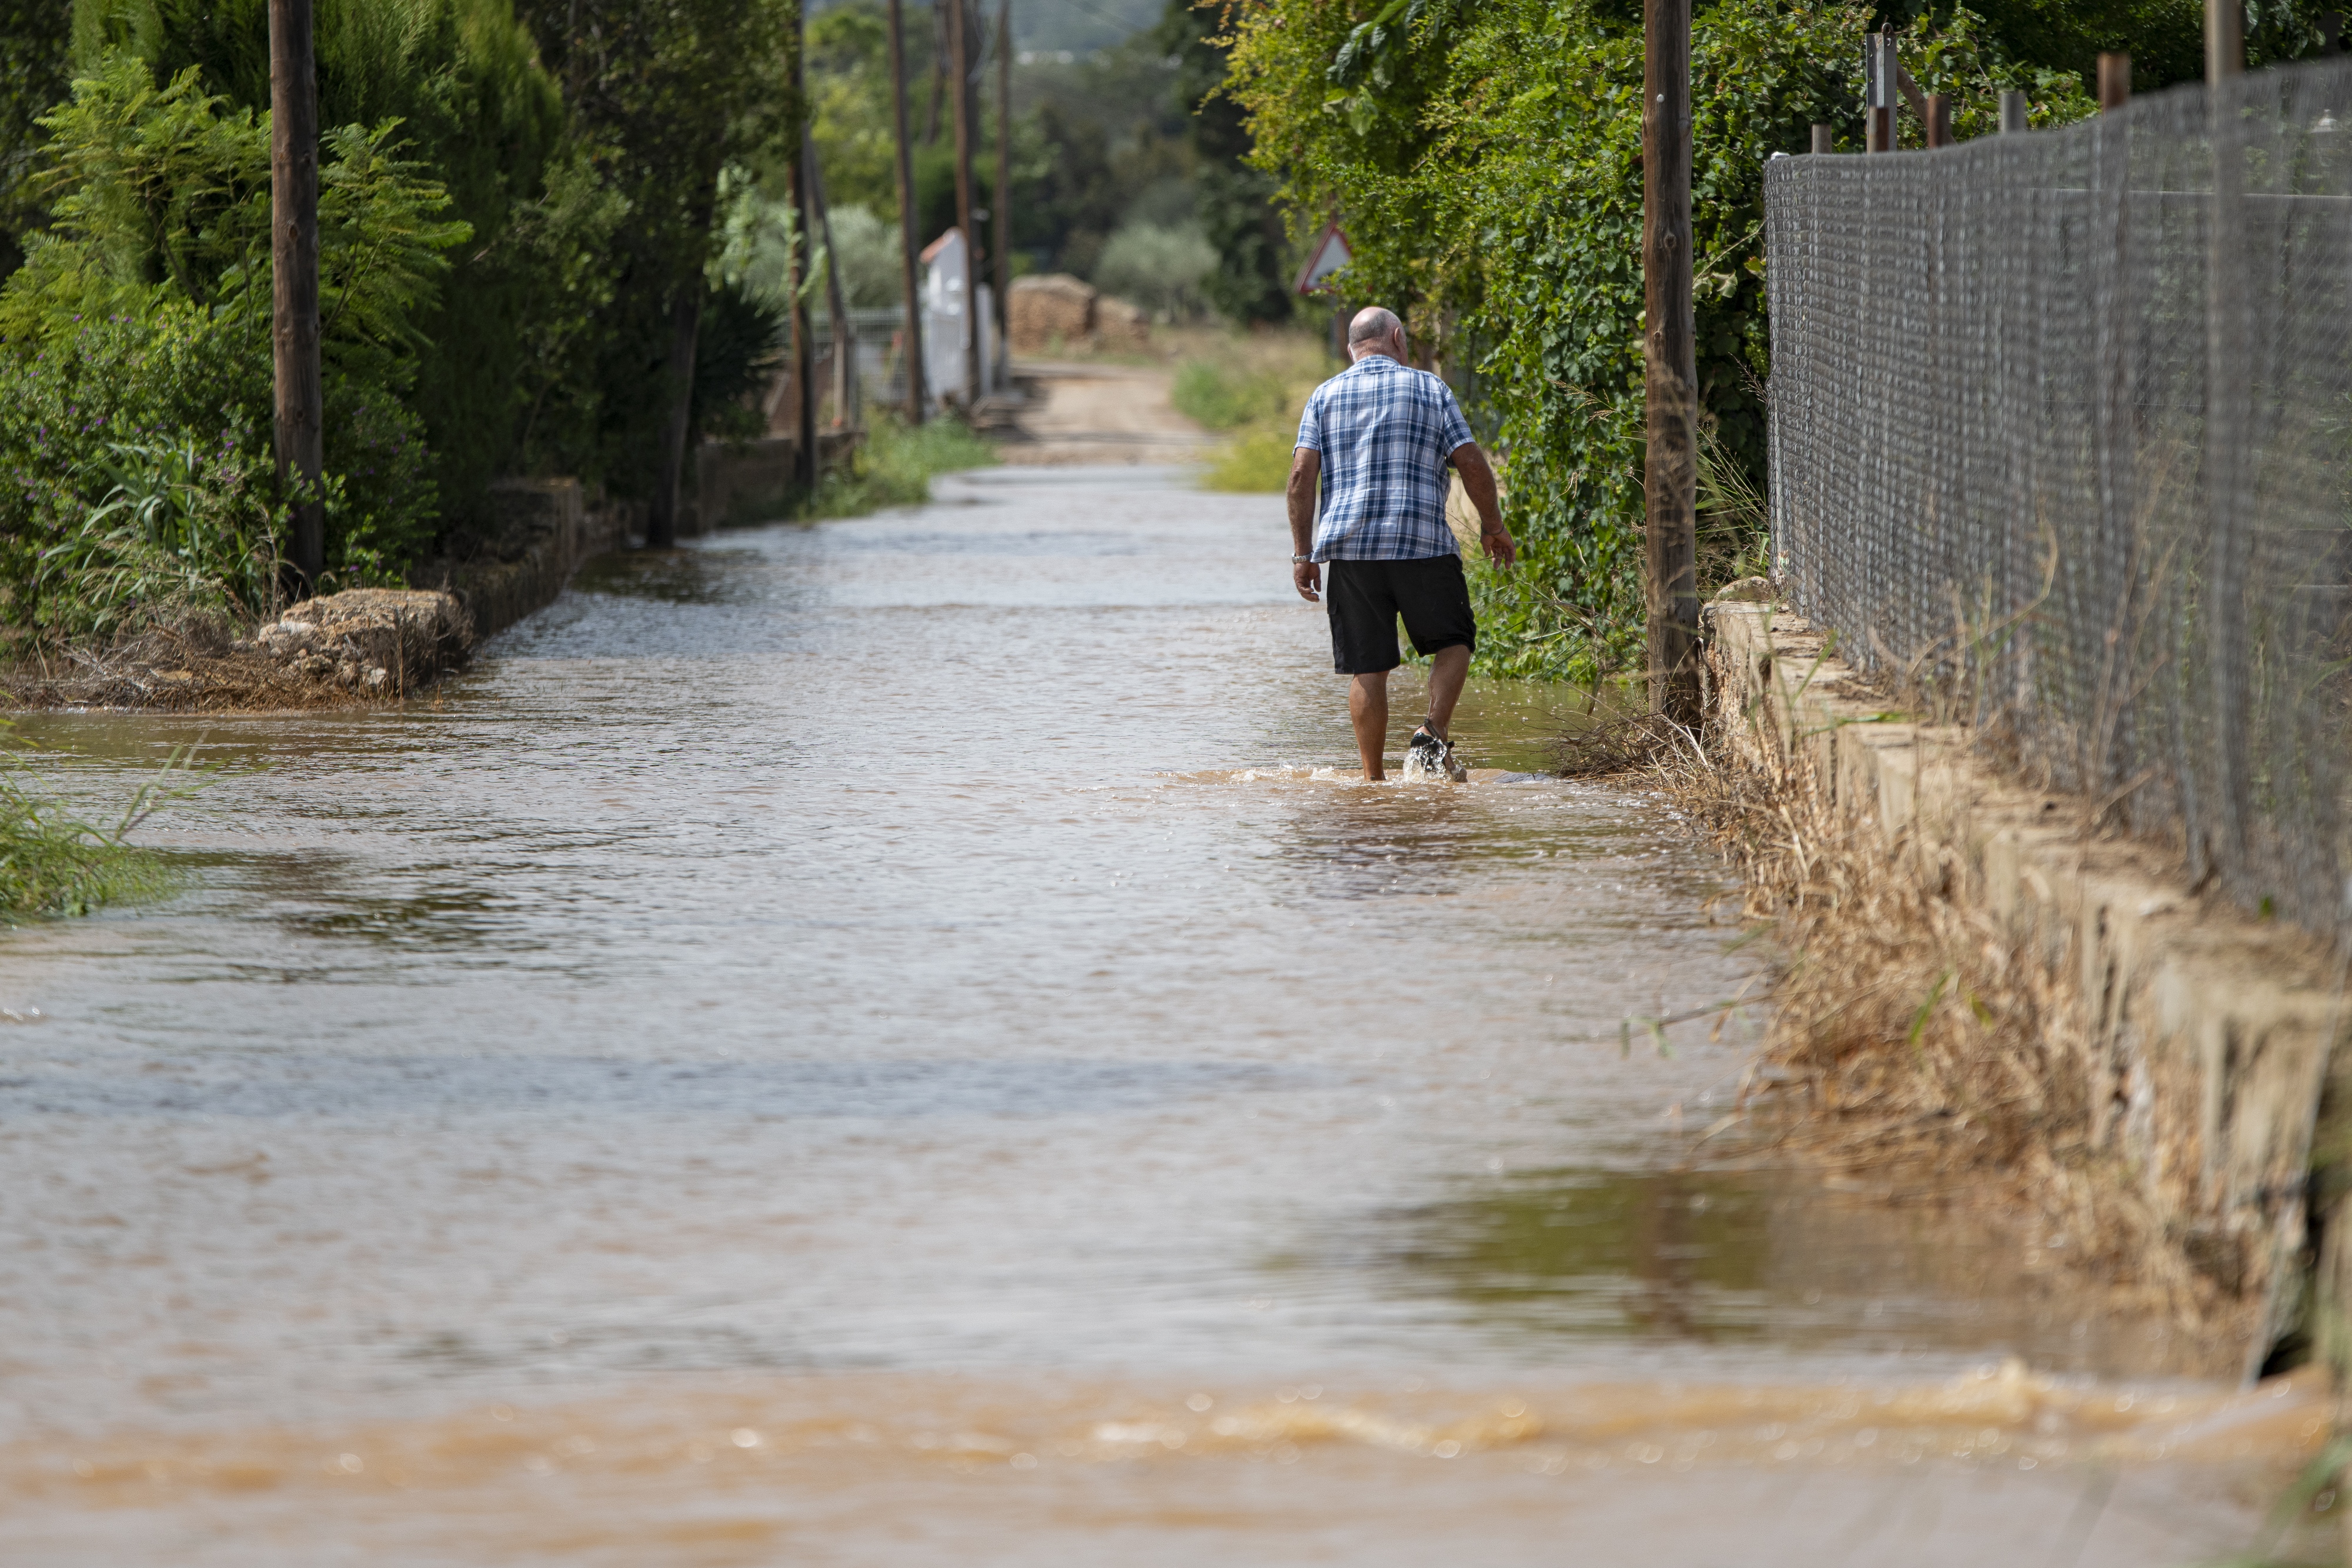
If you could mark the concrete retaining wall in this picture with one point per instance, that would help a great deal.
(2211, 1032)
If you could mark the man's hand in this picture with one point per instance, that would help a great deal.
(1500, 549)
(1306, 577)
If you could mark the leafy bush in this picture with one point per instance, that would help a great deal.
(461, 81)
(1256, 462)
(169, 531)
(866, 247)
(135, 366)
(1161, 269)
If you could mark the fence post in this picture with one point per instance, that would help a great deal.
(1670, 465)
(1000, 199)
(2226, 395)
(960, 100)
(804, 464)
(1879, 137)
(2112, 588)
(2013, 111)
(1824, 139)
(1940, 120)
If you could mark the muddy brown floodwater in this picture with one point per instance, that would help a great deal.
(888, 1043)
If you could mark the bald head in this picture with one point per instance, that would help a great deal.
(1376, 330)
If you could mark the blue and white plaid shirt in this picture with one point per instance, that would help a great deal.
(1385, 433)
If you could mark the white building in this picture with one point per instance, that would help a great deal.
(947, 284)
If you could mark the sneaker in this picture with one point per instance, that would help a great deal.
(1431, 759)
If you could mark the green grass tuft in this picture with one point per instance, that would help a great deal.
(1225, 395)
(1255, 462)
(895, 467)
(52, 862)
(1252, 385)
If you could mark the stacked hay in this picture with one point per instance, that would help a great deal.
(1048, 312)
(1057, 311)
(345, 650)
(1121, 326)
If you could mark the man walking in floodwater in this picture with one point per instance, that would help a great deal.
(1380, 435)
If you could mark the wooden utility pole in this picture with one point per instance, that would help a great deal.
(685, 327)
(299, 426)
(1000, 206)
(1938, 131)
(836, 305)
(960, 68)
(803, 236)
(2115, 82)
(1670, 471)
(909, 244)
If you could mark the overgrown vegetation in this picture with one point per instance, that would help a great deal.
(516, 212)
(1486, 162)
(135, 369)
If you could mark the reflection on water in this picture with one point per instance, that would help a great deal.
(1754, 1257)
(712, 575)
(940, 955)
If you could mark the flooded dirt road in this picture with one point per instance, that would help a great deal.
(887, 1042)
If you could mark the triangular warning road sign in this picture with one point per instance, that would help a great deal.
(1330, 254)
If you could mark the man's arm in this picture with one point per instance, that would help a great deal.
(1478, 483)
(1305, 468)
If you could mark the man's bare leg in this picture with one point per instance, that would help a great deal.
(1448, 668)
(1368, 710)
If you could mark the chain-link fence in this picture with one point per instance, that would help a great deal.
(2062, 431)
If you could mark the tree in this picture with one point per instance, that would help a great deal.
(1235, 201)
(667, 94)
(459, 79)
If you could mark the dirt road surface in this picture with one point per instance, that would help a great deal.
(1101, 413)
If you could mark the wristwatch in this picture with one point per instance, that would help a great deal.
(1302, 560)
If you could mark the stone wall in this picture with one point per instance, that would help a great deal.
(2212, 1033)
(739, 482)
(542, 529)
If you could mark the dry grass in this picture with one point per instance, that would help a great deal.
(361, 648)
(1912, 1032)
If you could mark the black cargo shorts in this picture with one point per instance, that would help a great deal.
(1364, 598)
